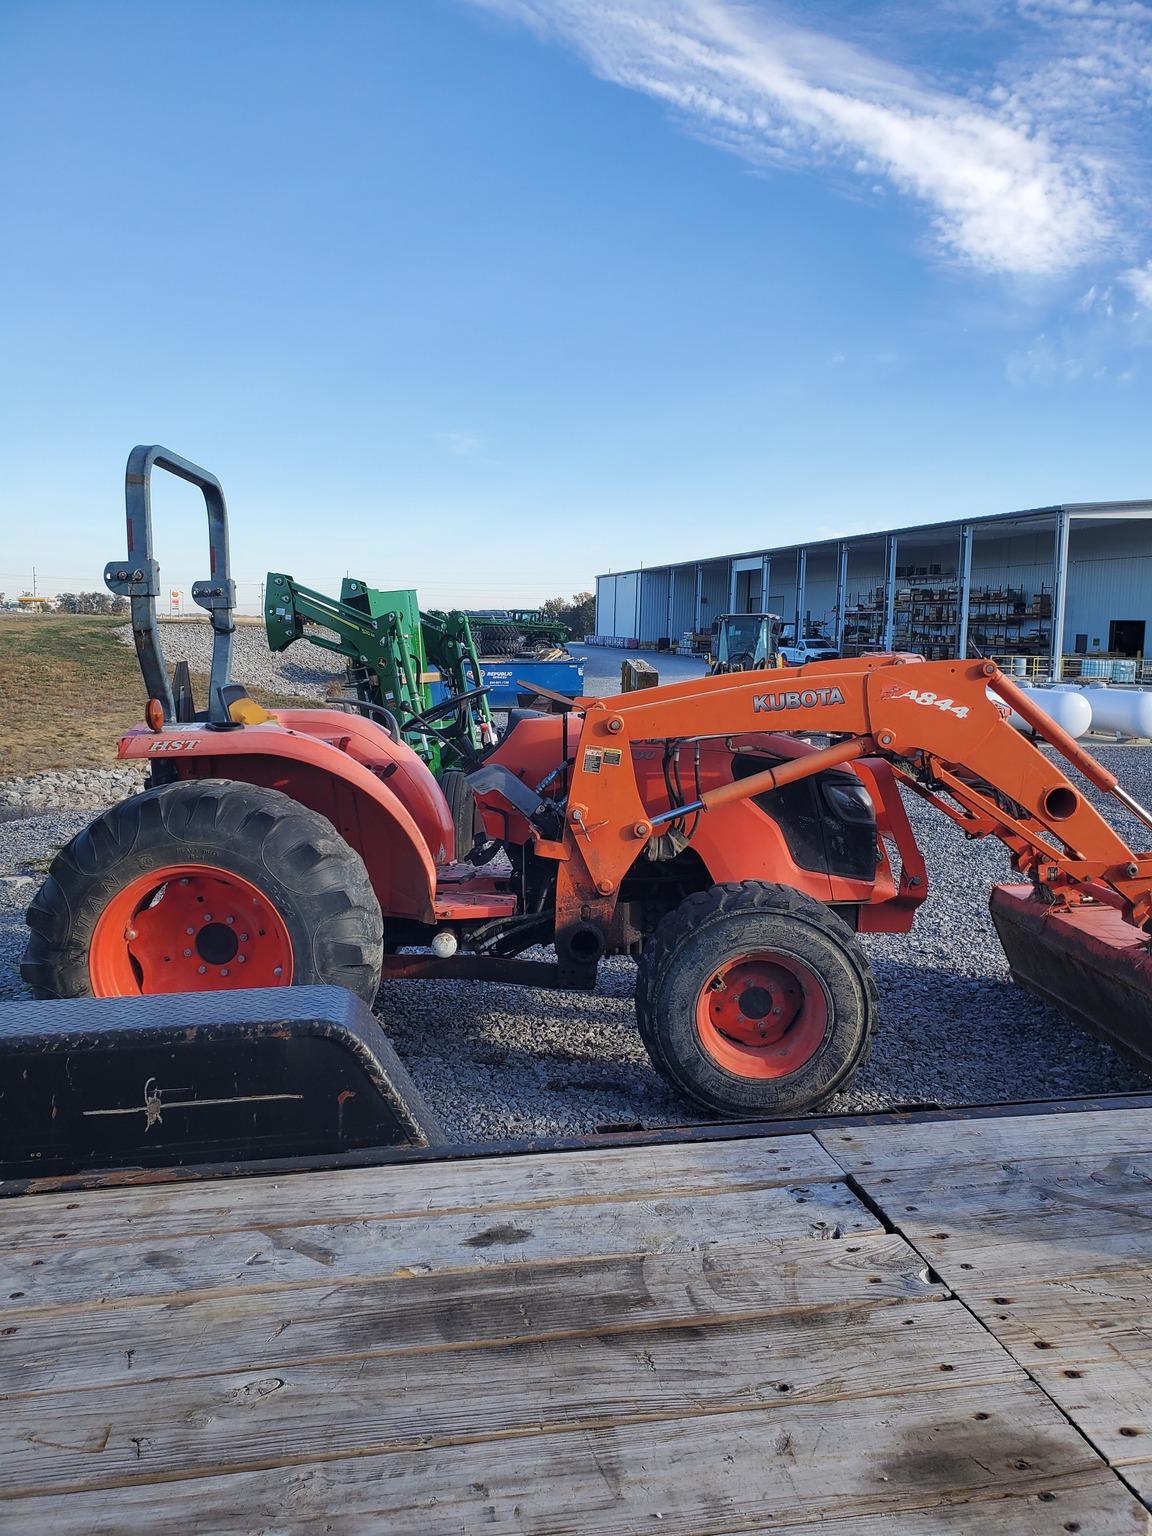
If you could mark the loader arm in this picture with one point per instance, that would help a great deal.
(394, 654)
(934, 722)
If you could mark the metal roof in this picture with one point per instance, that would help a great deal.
(1100, 509)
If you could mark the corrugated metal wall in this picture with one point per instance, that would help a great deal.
(683, 601)
(627, 604)
(714, 592)
(782, 586)
(820, 590)
(605, 604)
(1025, 560)
(1109, 577)
(618, 604)
(653, 622)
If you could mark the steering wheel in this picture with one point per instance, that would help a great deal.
(445, 707)
(743, 660)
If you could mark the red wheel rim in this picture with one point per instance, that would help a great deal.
(762, 1015)
(188, 928)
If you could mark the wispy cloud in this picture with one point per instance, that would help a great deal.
(461, 445)
(1016, 165)
(1139, 279)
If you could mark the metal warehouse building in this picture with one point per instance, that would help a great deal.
(1047, 584)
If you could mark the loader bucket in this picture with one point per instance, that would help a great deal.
(1088, 962)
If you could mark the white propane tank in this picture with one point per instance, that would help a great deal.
(1127, 711)
(1066, 705)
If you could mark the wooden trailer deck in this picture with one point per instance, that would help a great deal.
(854, 1331)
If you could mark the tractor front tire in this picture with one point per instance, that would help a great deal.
(204, 885)
(754, 1000)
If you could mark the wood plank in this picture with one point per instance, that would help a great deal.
(1054, 1256)
(1087, 1342)
(983, 1202)
(154, 1340)
(1110, 1401)
(696, 1477)
(1053, 1250)
(1139, 1479)
(267, 1259)
(1096, 1509)
(895, 1148)
(155, 1212)
(1091, 1317)
(337, 1408)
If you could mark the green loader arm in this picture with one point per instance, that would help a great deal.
(394, 656)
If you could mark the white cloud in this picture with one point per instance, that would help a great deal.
(1139, 279)
(1009, 187)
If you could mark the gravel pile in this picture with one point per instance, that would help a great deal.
(302, 670)
(71, 789)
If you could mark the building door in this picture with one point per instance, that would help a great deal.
(747, 591)
(1126, 637)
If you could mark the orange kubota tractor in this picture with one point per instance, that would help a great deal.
(692, 826)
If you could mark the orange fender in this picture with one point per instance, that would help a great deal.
(377, 793)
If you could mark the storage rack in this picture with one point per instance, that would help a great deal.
(1009, 620)
(926, 617)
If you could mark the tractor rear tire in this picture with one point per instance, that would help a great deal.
(204, 885)
(465, 812)
(500, 640)
(754, 1000)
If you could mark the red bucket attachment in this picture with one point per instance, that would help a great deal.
(1088, 962)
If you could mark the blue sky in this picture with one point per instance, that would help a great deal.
(486, 296)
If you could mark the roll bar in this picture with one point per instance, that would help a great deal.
(138, 577)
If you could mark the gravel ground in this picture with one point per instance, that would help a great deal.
(498, 1061)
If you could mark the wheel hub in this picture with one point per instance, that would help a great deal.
(217, 943)
(762, 1015)
(189, 928)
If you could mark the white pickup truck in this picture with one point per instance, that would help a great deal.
(812, 646)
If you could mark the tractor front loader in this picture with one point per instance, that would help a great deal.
(417, 673)
(694, 827)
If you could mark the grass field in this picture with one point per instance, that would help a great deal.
(68, 688)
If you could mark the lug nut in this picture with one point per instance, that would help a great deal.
(189, 930)
(200, 969)
(187, 954)
(277, 970)
(129, 934)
